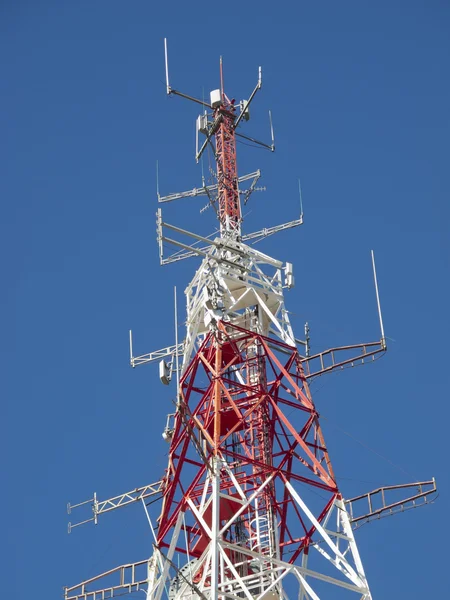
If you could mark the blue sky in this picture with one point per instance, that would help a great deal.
(359, 93)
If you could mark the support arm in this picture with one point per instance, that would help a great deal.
(170, 351)
(124, 579)
(104, 506)
(384, 501)
(341, 357)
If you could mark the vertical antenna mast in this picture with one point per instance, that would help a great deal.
(167, 66)
(221, 80)
(131, 348)
(224, 116)
(300, 195)
(383, 339)
(157, 179)
(272, 135)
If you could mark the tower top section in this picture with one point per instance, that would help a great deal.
(218, 124)
(218, 128)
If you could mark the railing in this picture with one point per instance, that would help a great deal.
(382, 501)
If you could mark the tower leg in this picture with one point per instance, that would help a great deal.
(215, 529)
(348, 531)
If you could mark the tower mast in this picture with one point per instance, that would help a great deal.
(227, 178)
(250, 507)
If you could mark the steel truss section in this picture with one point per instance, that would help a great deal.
(249, 400)
(227, 180)
(237, 284)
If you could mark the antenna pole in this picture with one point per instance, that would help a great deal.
(176, 341)
(307, 341)
(301, 199)
(383, 339)
(167, 67)
(157, 179)
(271, 131)
(131, 349)
(221, 80)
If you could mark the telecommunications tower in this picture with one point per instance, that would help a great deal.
(248, 506)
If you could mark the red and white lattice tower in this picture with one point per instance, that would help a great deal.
(250, 504)
(247, 454)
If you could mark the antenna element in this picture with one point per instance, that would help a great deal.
(383, 339)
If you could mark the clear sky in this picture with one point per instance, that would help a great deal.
(360, 96)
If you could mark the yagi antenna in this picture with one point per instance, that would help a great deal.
(383, 339)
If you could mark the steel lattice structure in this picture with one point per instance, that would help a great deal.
(227, 180)
(250, 507)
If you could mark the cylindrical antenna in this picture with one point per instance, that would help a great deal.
(157, 179)
(383, 339)
(203, 172)
(131, 350)
(301, 199)
(201, 162)
(167, 66)
(271, 131)
(159, 234)
(196, 138)
(307, 341)
(221, 81)
(95, 507)
(259, 77)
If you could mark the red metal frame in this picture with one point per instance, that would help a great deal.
(245, 399)
(227, 178)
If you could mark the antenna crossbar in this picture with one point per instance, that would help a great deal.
(263, 233)
(254, 141)
(203, 191)
(193, 250)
